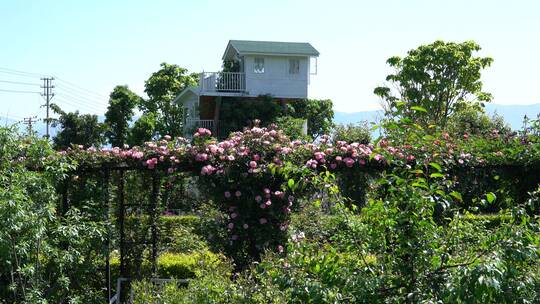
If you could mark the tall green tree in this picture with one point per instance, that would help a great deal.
(122, 103)
(77, 129)
(144, 129)
(162, 87)
(439, 77)
(318, 113)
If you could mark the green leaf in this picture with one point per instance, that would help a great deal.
(456, 195)
(290, 183)
(419, 109)
(436, 166)
(490, 197)
(436, 175)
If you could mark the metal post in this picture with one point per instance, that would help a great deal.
(108, 240)
(121, 215)
(154, 202)
(48, 94)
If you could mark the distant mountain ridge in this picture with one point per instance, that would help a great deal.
(513, 114)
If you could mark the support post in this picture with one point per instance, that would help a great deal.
(107, 202)
(154, 203)
(121, 216)
(217, 110)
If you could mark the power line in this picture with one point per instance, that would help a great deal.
(18, 91)
(83, 95)
(13, 71)
(83, 99)
(11, 117)
(81, 102)
(81, 88)
(78, 105)
(19, 82)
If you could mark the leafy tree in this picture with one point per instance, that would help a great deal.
(318, 112)
(359, 133)
(144, 129)
(122, 102)
(77, 129)
(438, 77)
(162, 87)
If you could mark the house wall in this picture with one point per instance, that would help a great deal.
(190, 101)
(276, 79)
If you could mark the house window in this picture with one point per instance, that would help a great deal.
(258, 67)
(294, 66)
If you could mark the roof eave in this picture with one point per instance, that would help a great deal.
(194, 90)
(229, 46)
(280, 54)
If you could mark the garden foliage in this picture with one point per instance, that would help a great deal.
(414, 232)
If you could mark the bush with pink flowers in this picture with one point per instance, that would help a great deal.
(255, 176)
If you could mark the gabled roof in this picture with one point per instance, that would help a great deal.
(244, 47)
(193, 89)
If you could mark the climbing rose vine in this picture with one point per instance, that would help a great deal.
(255, 176)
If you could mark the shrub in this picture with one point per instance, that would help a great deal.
(212, 284)
(350, 133)
(176, 265)
(292, 127)
(47, 255)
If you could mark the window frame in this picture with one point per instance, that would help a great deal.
(294, 69)
(258, 65)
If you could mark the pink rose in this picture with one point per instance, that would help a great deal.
(349, 162)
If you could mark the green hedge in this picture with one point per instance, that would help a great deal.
(175, 266)
(169, 223)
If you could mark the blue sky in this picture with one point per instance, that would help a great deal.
(95, 45)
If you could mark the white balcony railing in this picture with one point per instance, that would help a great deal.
(193, 124)
(223, 82)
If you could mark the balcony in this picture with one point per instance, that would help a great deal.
(226, 82)
(192, 125)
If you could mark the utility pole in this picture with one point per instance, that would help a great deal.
(28, 121)
(48, 94)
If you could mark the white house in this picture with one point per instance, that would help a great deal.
(251, 69)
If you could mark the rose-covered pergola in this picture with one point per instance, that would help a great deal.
(256, 176)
